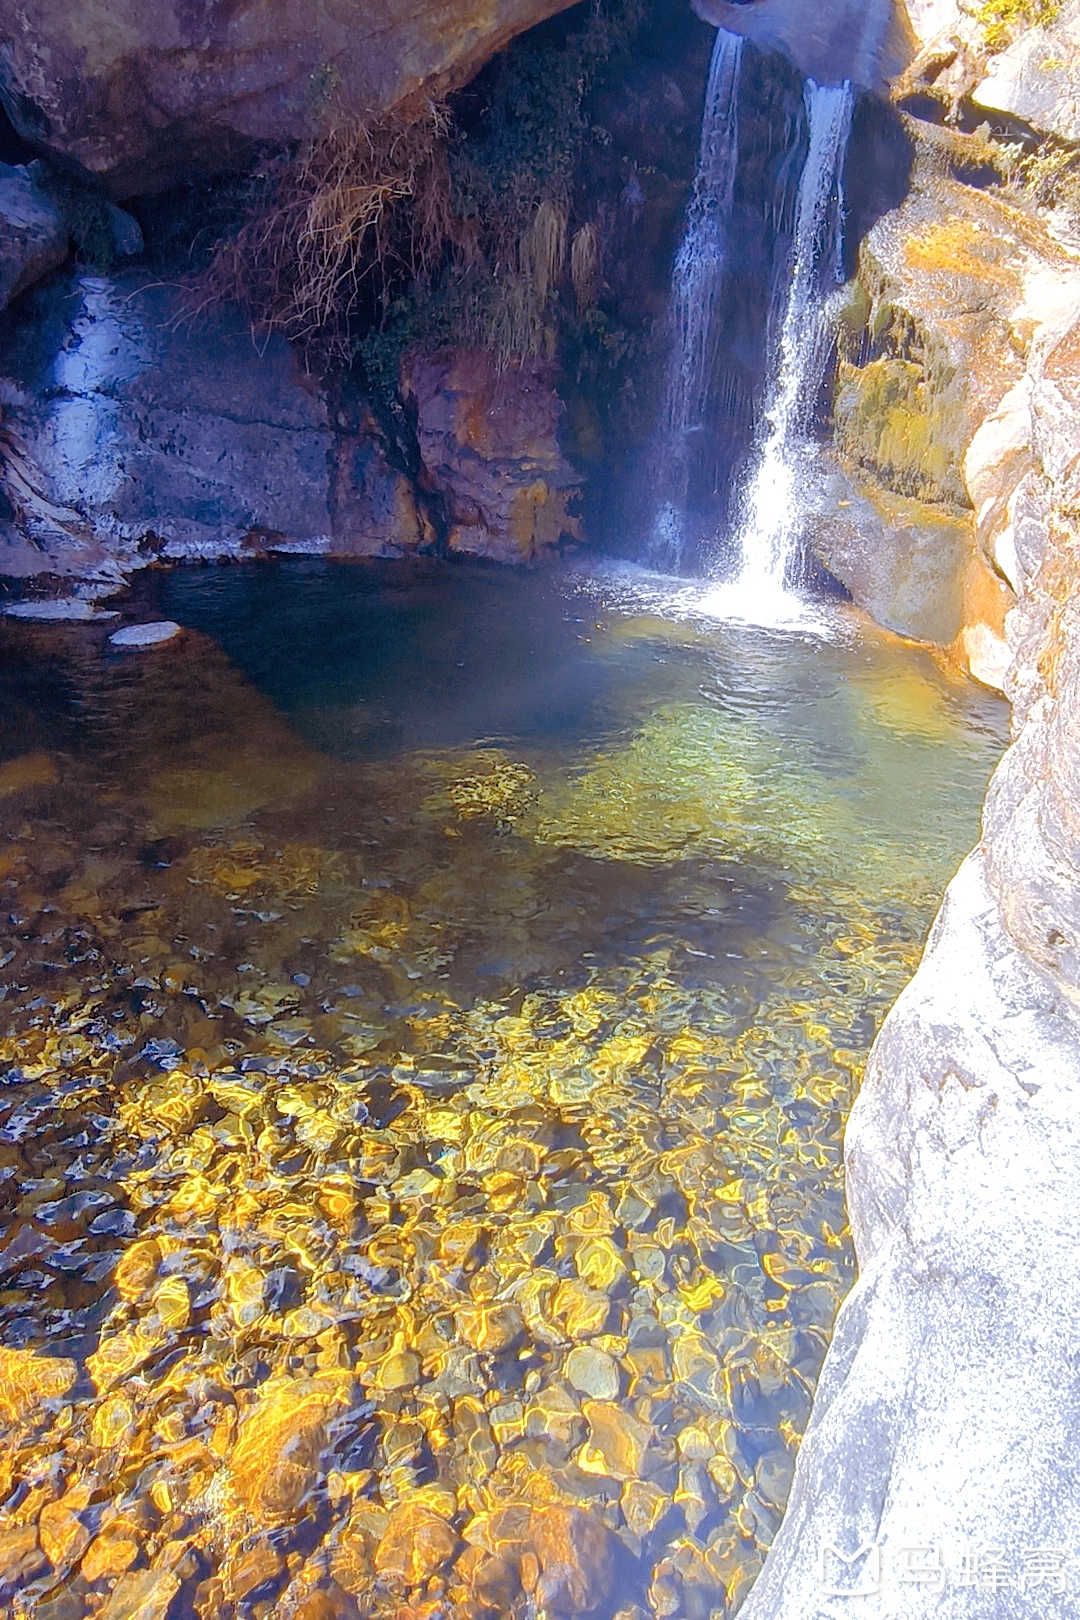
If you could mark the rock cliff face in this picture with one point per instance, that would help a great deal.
(488, 438)
(958, 293)
(140, 94)
(937, 1475)
(131, 434)
(946, 1418)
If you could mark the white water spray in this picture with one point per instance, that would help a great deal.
(769, 529)
(696, 283)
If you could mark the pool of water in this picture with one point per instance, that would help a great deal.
(432, 999)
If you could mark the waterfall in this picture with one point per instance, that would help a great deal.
(768, 535)
(695, 300)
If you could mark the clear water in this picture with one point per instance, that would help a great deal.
(432, 999)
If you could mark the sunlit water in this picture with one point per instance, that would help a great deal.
(432, 1001)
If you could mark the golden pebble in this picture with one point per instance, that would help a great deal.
(63, 1536)
(507, 1422)
(172, 1302)
(146, 1594)
(600, 1264)
(108, 1554)
(29, 1381)
(121, 1354)
(276, 1457)
(592, 1372)
(113, 1423)
(416, 1544)
(245, 1290)
(643, 1506)
(616, 1443)
(400, 1369)
(490, 1328)
(257, 1565)
(20, 1556)
(458, 1242)
(582, 1311)
(137, 1269)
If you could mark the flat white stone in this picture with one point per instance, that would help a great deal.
(71, 609)
(145, 635)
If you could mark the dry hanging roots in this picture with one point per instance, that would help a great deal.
(324, 225)
(585, 266)
(517, 325)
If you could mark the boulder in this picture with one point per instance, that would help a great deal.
(33, 233)
(1037, 77)
(130, 433)
(901, 559)
(866, 41)
(488, 436)
(142, 94)
(933, 417)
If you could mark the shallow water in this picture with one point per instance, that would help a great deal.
(432, 1001)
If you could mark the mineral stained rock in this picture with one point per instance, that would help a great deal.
(143, 94)
(1037, 77)
(489, 439)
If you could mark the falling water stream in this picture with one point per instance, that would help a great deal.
(697, 281)
(762, 591)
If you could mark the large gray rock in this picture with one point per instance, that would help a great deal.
(866, 41)
(901, 559)
(33, 233)
(947, 1418)
(1037, 78)
(130, 433)
(140, 92)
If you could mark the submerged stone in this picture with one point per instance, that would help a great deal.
(145, 635)
(415, 1545)
(593, 1373)
(275, 1461)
